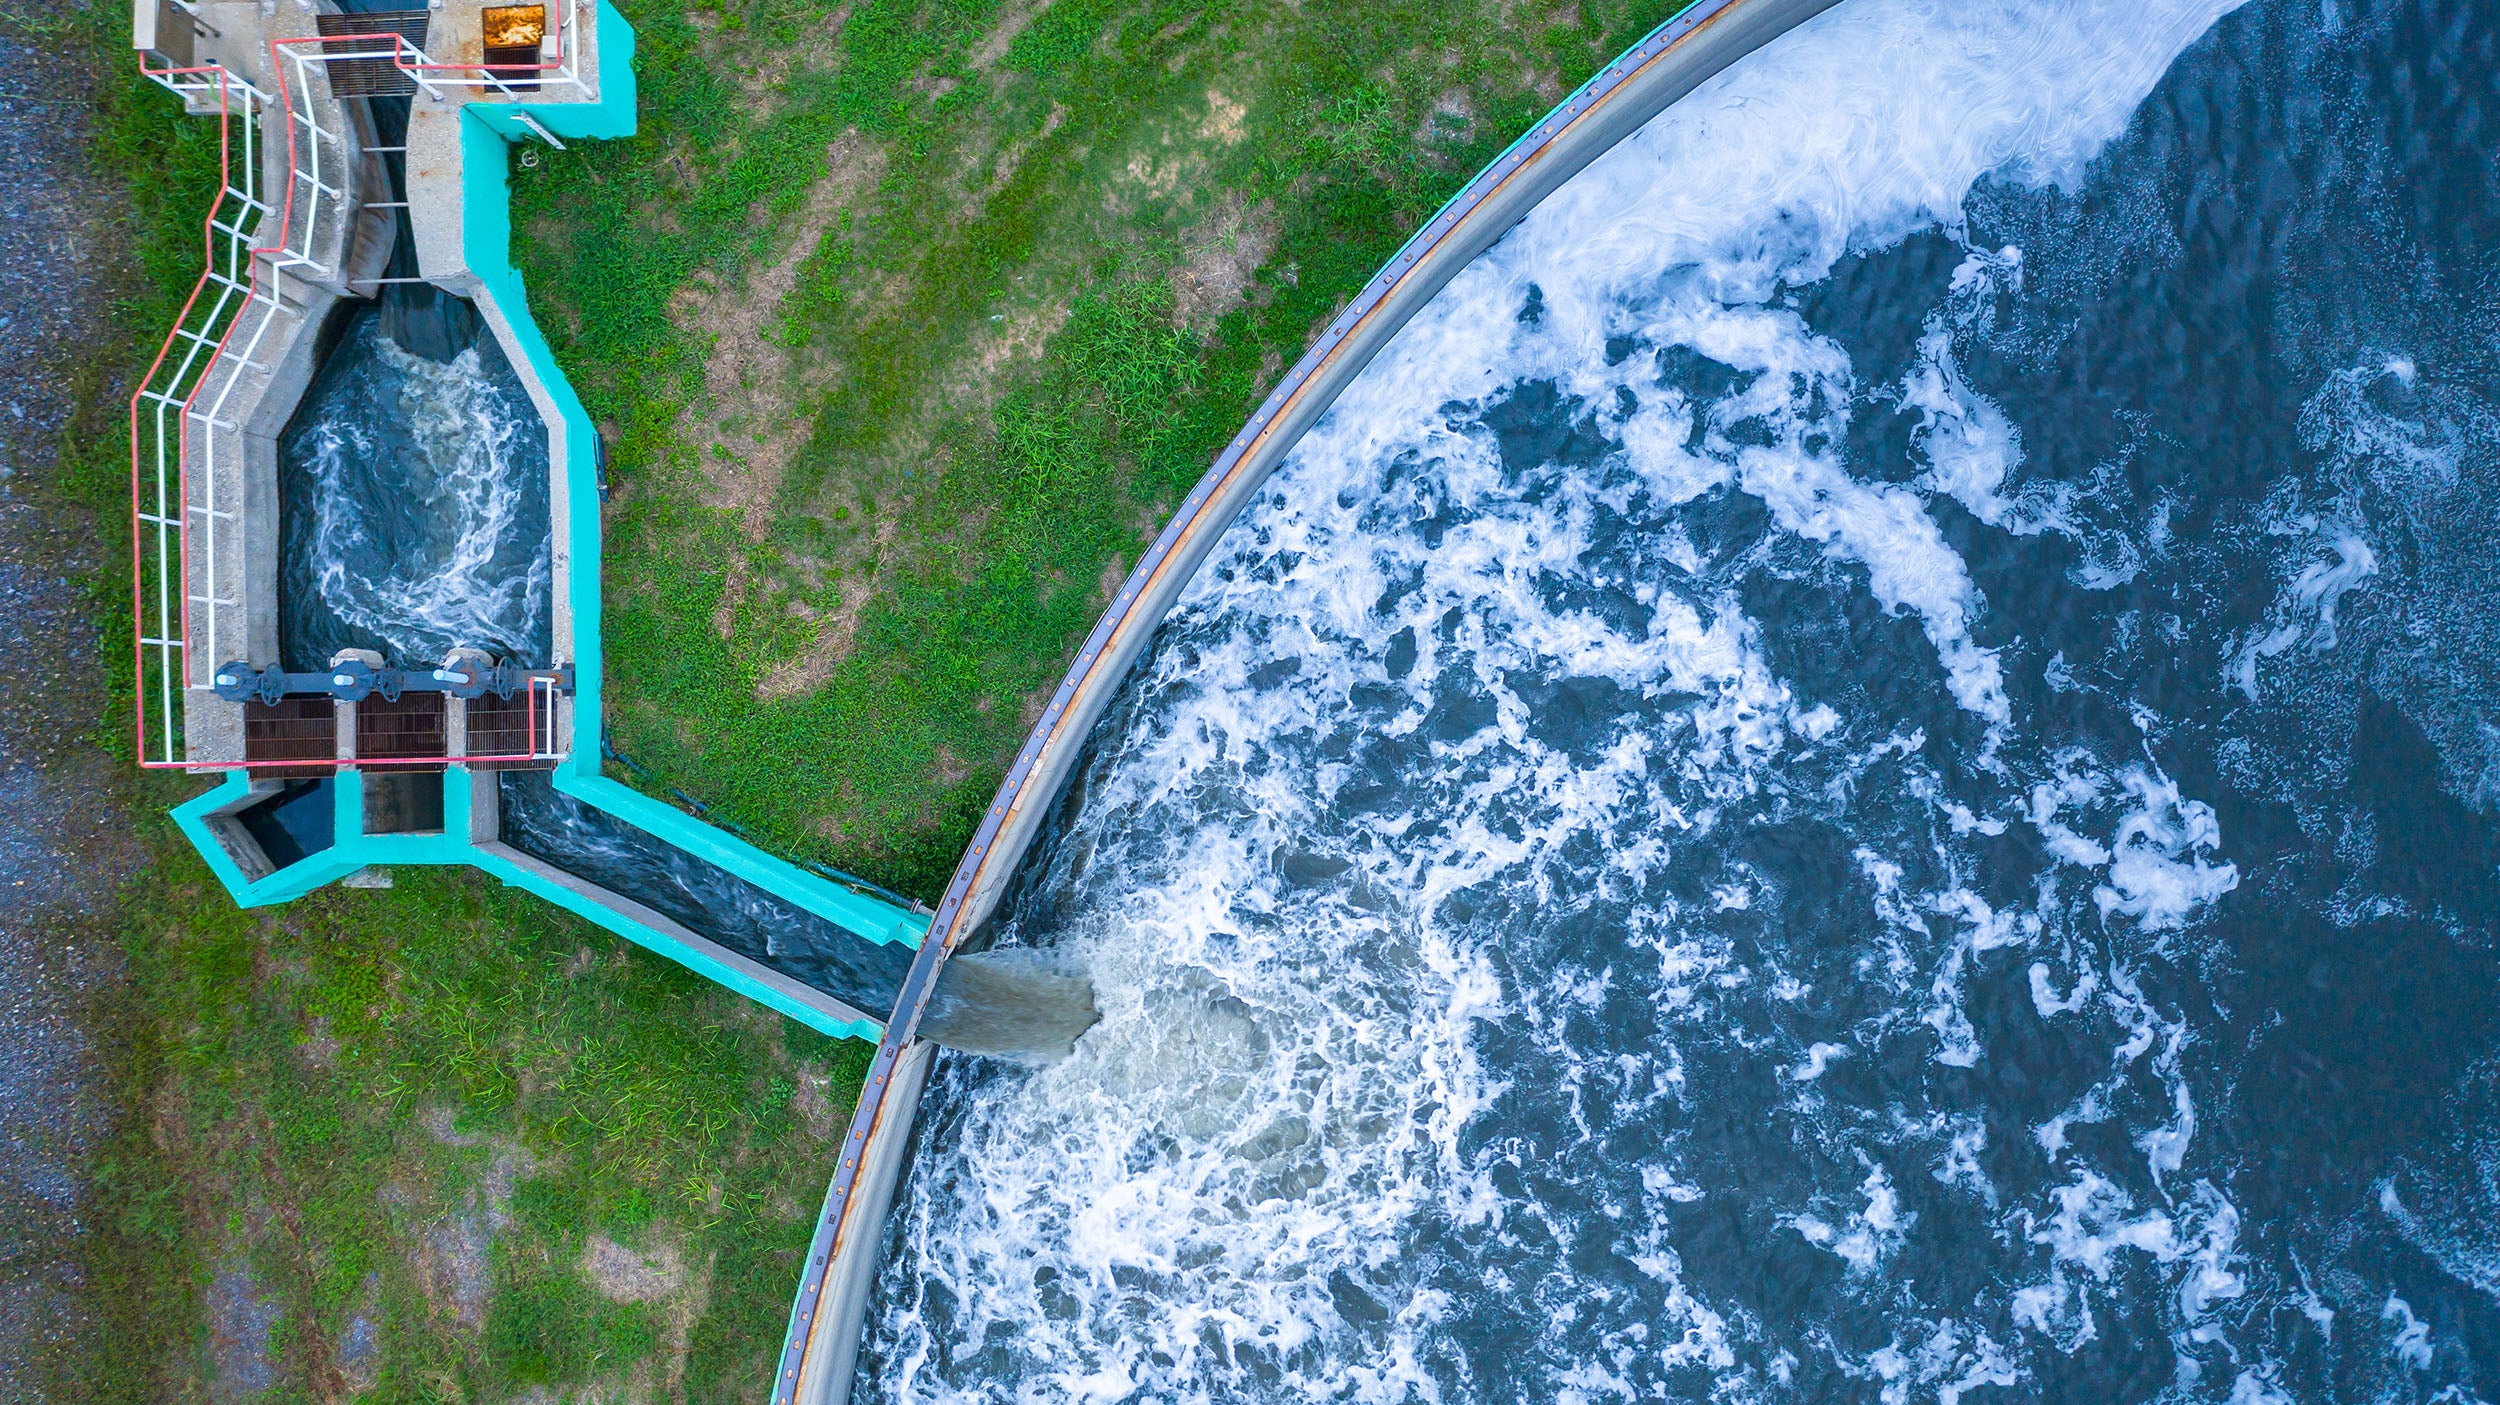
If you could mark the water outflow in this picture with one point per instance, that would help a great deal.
(421, 318)
(413, 481)
(1017, 1004)
(1862, 768)
(1007, 1004)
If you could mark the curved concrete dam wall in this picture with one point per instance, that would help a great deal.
(820, 1355)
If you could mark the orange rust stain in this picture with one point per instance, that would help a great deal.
(511, 26)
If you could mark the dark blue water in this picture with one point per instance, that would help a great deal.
(413, 480)
(1862, 769)
(299, 821)
(413, 508)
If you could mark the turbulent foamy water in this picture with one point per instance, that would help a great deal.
(1861, 768)
(414, 507)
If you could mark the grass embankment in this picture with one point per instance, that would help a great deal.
(447, 1143)
(910, 321)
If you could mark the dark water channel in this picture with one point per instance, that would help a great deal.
(1006, 1004)
(1863, 768)
(542, 821)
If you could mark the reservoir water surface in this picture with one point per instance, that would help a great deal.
(1861, 768)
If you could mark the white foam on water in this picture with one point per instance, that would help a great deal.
(1945, 1361)
(448, 558)
(2097, 1228)
(1819, 1057)
(1303, 877)
(1865, 1237)
(2307, 605)
(2446, 1199)
(2159, 870)
(1969, 443)
(1872, 122)
(2412, 1343)
(2373, 550)
(2049, 1003)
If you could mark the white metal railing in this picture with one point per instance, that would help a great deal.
(185, 418)
(163, 501)
(540, 727)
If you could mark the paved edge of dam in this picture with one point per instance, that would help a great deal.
(828, 1316)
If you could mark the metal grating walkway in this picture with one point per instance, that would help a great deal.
(386, 34)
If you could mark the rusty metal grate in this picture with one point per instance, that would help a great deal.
(501, 727)
(409, 732)
(378, 77)
(291, 729)
(513, 36)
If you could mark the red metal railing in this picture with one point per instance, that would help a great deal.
(181, 410)
(163, 407)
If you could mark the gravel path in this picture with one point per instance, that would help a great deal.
(64, 839)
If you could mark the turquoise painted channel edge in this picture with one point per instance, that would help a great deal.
(486, 133)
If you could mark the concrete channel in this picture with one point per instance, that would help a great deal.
(215, 423)
(820, 1355)
(308, 230)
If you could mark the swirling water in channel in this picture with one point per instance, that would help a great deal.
(1862, 768)
(414, 515)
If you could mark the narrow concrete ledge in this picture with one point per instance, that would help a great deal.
(239, 847)
(840, 1312)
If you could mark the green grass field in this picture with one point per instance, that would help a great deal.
(448, 1143)
(908, 322)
